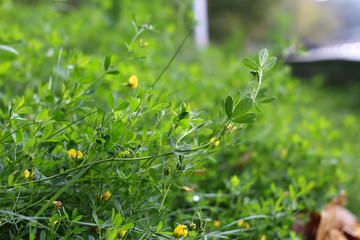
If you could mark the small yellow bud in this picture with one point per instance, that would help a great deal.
(133, 82)
(215, 143)
(79, 155)
(106, 195)
(217, 223)
(53, 222)
(240, 223)
(96, 230)
(72, 153)
(58, 204)
(142, 43)
(122, 233)
(262, 237)
(192, 226)
(180, 231)
(246, 225)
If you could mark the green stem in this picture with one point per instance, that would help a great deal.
(260, 73)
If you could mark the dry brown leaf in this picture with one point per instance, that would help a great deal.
(352, 232)
(335, 234)
(334, 217)
(334, 223)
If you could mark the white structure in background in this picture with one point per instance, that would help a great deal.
(201, 30)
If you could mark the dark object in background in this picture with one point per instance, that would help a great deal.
(338, 59)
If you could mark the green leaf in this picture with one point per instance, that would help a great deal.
(243, 106)
(127, 226)
(258, 109)
(117, 221)
(24, 110)
(144, 134)
(161, 106)
(248, 62)
(245, 118)
(107, 62)
(10, 179)
(42, 235)
(263, 56)
(269, 64)
(110, 99)
(140, 92)
(114, 72)
(134, 104)
(117, 130)
(19, 102)
(268, 100)
(78, 218)
(229, 106)
(159, 226)
(55, 139)
(43, 114)
(48, 129)
(122, 105)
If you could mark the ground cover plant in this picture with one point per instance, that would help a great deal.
(110, 137)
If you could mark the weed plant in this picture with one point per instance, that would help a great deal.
(110, 140)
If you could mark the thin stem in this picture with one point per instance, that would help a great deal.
(258, 86)
(121, 159)
(172, 59)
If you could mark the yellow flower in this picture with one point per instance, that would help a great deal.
(79, 155)
(240, 223)
(122, 233)
(133, 82)
(215, 143)
(28, 174)
(246, 225)
(106, 195)
(58, 204)
(262, 237)
(180, 231)
(72, 153)
(216, 223)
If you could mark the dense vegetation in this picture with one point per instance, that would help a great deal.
(114, 126)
